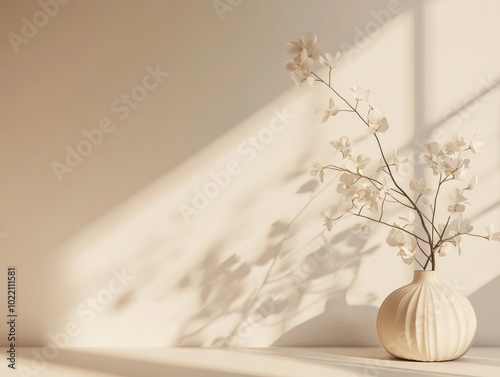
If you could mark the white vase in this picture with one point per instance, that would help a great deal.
(426, 320)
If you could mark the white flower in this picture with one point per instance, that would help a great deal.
(343, 145)
(492, 235)
(395, 238)
(398, 161)
(361, 230)
(472, 183)
(455, 145)
(442, 250)
(329, 111)
(475, 146)
(409, 219)
(307, 44)
(345, 206)
(301, 62)
(455, 243)
(454, 230)
(407, 253)
(407, 244)
(299, 68)
(317, 170)
(446, 158)
(433, 150)
(369, 196)
(461, 226)
(296, 47)
(455, 166)
(362, 162)
(329, 61)
(347, 185)
(386, 185)
(378, 121)
(299, 77)
(431, 157)
(329, 218)
(459, 201)
(360, 93)
(328, 222)
(420, 187)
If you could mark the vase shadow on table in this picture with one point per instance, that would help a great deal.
(486, 304)
(340, 325)
(339, 318)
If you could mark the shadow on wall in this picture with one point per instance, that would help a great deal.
(486, 303)
(86, 70)
(222, 285)
(334, 328)
(272, 291)
(253, 292)
(290, 279)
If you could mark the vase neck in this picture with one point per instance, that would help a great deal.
(419, 276)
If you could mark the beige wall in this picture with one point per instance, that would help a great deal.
(118, 210)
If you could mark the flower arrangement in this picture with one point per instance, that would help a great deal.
(367, 190)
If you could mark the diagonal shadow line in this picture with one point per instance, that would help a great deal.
(490, 208)
(476, 97)
(133, 368)
(473, 98)
(418, 102)
(312, 199)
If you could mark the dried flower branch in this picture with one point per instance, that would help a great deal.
(367, 195)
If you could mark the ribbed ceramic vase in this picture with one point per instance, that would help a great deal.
(426, 320)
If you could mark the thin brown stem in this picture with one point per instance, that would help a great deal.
(415, 207)
(420, 264)
(382, 207)
(391, 226)
(422, 250)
